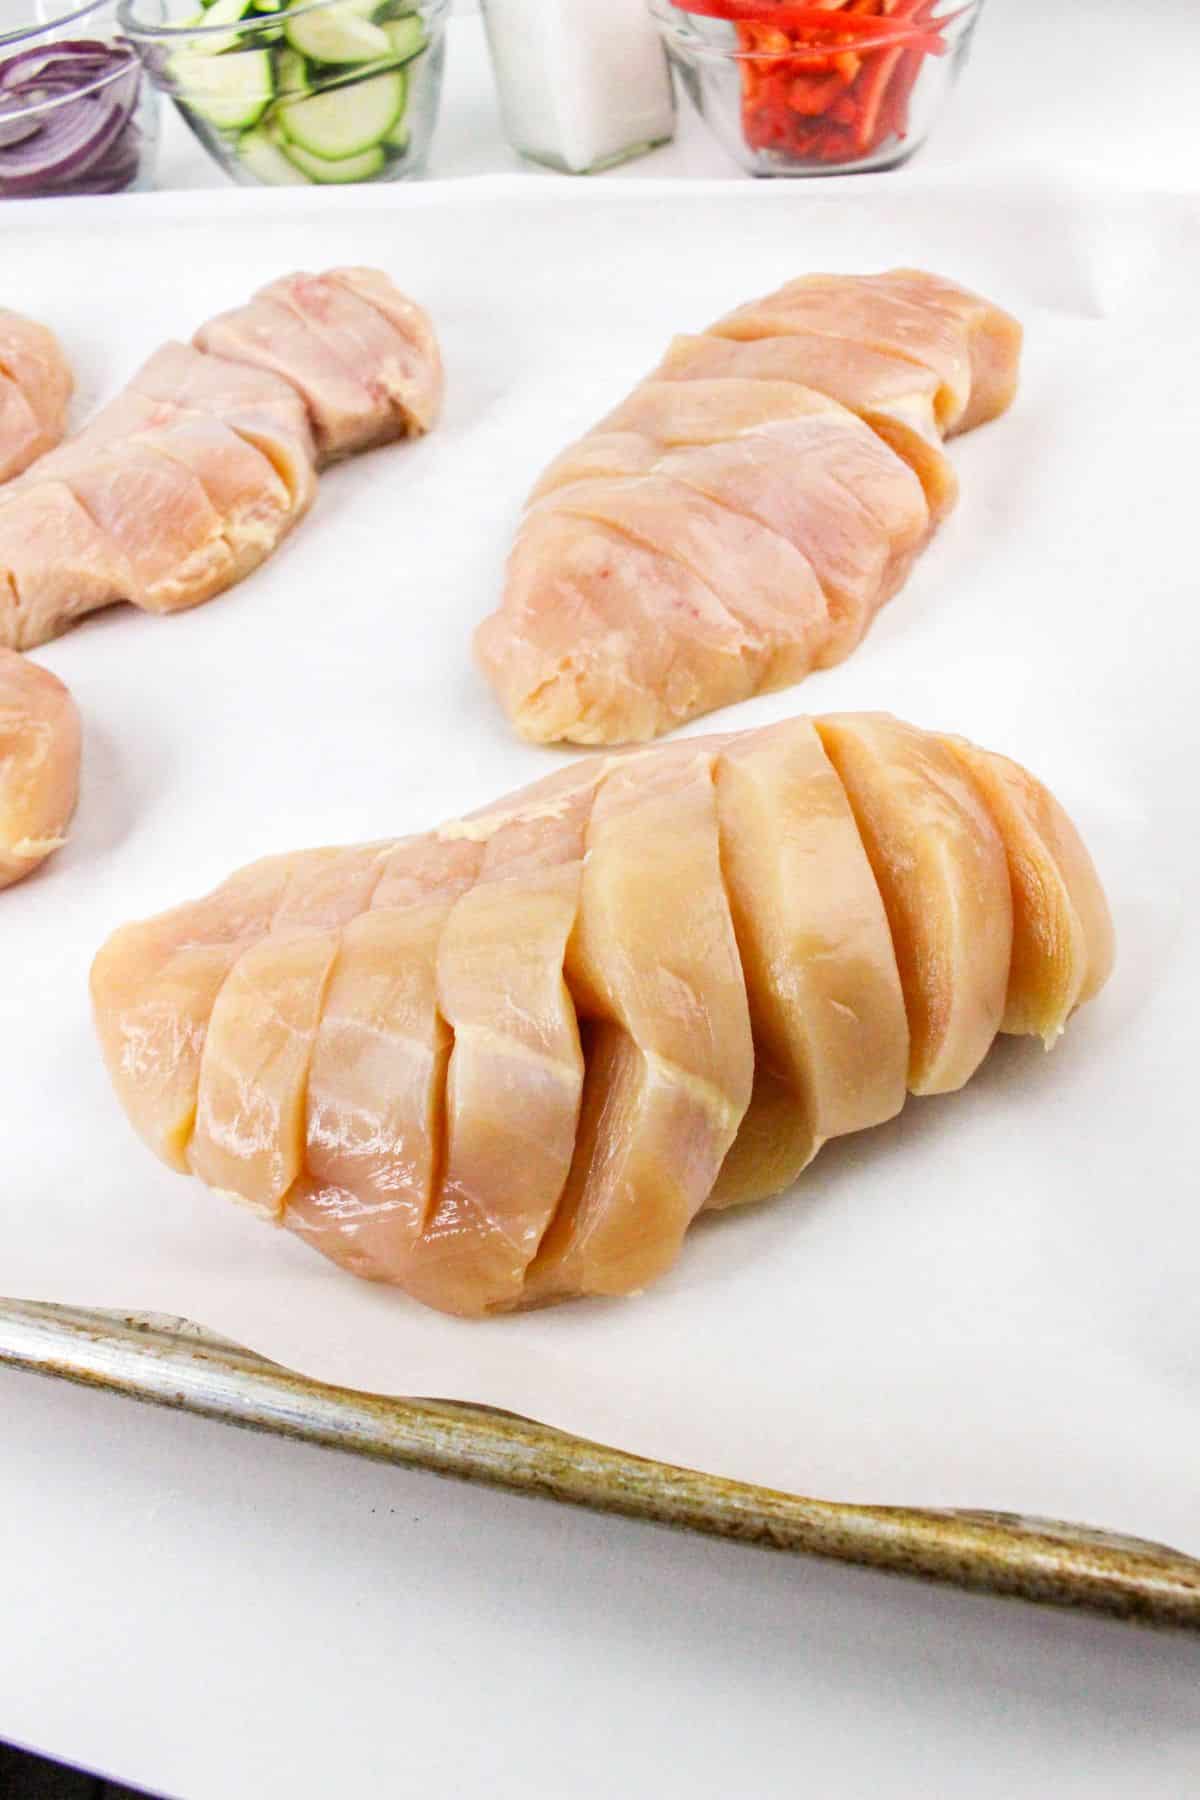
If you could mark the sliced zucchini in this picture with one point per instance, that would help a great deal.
(267, 162)
(397, 138)
(406, 37)
(345, 121)
(348, 168)
(291, 73)
(221, 12)
(231, 92)
(336, 34)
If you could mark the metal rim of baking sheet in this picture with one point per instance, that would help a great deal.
(171, 1362)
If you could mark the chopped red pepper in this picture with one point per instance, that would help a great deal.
(828, 82)
(841, 20)
(872, 90)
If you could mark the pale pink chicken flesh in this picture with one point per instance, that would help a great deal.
(940, 865)
(189, 478)
(818, 415)
(509, 1061)
(35, 391)
(39, 765)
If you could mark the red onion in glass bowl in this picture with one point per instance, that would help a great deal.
(76, 114)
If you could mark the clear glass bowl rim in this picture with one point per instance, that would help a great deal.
(43, 28)
(675, 25)
(137, 30)
(39, 108)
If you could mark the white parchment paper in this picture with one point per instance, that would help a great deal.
(990, 1302)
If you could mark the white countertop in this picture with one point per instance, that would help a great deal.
(220, 1616)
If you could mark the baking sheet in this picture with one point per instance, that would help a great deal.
(989, 1302)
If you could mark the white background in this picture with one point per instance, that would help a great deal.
(215, 1615)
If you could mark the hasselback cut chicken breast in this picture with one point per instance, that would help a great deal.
(35, 391)
(509, 1061)
(39, 765)
(740, 519)
(190, 478)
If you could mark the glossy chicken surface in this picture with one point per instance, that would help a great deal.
(39, 765)
(35, 391)
(189, 479)
(740, 519)
(509, 1061)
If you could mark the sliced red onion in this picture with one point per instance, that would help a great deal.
(81, 59)
(16, 123)
(64, 128)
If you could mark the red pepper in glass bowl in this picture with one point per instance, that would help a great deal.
(836, 87)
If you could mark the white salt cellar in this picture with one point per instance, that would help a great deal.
(583, 84)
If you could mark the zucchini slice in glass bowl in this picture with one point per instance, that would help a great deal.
(281, 92)
(364, 167)
(342, 122)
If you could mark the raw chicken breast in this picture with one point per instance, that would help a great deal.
(189, 478)
(891, 395)
(56, 565)
(672, 1062)
(826, 1005)
(970, 345)
(39, 765)
(508, 1062)
(363, 380)
(35, 391)
(939, 862)
(180, 380)
(815, 416)
(595, 602)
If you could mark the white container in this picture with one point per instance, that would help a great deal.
(583, 84)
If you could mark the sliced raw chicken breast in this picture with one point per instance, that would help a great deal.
(509, 1062)
(252, 501)
(1062, 930)
(190, 477)
(604, 640)
(39, 765)
(838, 495)
(35, 391)
(56, 565)
(376, 1085)
(830, 1029)
(372, 328)
(818, 414)
(251, 1125)
(425, 381)
(154, 987)
(180, 389)
(183, 380)
(660, 416)
(671, 1062)
(158, 515)
(939, 861)
(758, 575)
(363, 382)
(993, 339)
(126, 416)
(514, 1078)
(814, 477)
(268, 334)
(970, 345)
(890, 394)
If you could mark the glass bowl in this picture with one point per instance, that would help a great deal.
(331, 92)
(76, 114)
(828, 90)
